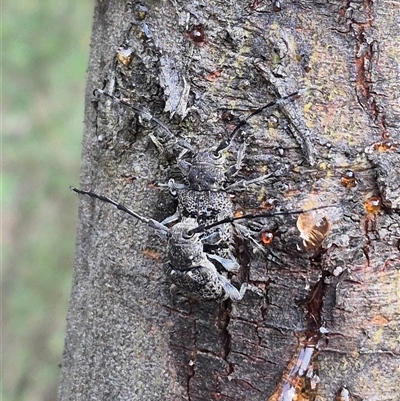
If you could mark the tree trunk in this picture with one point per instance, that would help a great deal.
(128, 338)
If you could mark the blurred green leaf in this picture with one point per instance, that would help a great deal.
(45, 54)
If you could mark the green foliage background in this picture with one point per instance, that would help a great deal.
(44, 58)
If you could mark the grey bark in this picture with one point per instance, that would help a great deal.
(128, 338)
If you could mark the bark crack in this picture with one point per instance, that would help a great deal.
(192, 362)
(366, 49)
(226, 336)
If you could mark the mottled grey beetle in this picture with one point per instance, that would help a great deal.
(201, 240)
(188, 266)
(205, 195)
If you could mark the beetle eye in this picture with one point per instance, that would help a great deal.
(187, 234)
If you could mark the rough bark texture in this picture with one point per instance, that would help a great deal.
(127, 337)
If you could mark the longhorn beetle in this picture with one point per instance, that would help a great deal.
(206, 194)
(201, 240)
(188, 265)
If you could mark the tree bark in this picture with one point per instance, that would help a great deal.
(128, 338)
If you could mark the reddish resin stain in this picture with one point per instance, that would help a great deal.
(383, 146)
(239, 213)
(196, 34)
(373, 204)
(125, 56)
(348, 179)
(269, 203)
(267, 237)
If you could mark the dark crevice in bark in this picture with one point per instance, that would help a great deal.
(300, 377)
(249, 385)
(172, 309)
(192, 363)
(242, 319)
(314, 303)
(251, 357)
(225, 311)
(264, 306)
(365, 53)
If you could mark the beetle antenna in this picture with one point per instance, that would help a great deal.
(145, 115)
(150, 222)
(205, 227)
(225, 143)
